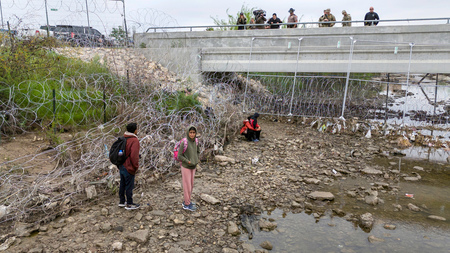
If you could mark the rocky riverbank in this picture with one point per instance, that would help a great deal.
(291, 168)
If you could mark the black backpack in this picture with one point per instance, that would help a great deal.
(117, 154)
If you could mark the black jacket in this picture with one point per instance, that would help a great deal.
(371, 16)
(274, 21)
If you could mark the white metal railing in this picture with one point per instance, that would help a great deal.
(299, 24)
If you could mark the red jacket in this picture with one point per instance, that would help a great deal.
(249, 125)
(132, 151)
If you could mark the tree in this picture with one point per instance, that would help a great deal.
(232, 19)
(119, 34)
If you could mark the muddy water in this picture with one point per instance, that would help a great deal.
(414, 232)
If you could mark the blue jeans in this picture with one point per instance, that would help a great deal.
(126, 186)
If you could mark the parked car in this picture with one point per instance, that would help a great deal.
(78, 35)
(25, 33)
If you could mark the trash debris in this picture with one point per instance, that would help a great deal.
(409, 195)
(255, 160)
(369, 134)
(334, 171)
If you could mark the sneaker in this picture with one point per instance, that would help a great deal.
(192, 202)
(132, 206)
(123, 204)
(189, 207)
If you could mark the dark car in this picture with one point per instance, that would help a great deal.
(78, 35)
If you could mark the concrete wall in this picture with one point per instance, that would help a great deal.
(377, 49)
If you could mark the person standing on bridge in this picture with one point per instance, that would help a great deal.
(261, 19)
(371, 15)
(292, 18)
(326, 18)
(346, 18)
(274, 21)
(242, 20)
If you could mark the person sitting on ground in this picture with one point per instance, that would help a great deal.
(251, 130)
(292, 18)
(242, 20)
(129, 168)
(274, 21)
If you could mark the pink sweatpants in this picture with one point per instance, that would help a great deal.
(187, 176)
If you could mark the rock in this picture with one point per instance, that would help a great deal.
(263, 224)
(411, 179)
(176, 250)
(117, 246)
(229, 250)
(418, 168)
(248, 248)
(91, 192)
(105, 212)
(371, 171)
(266, 245)
(138, 216)
(158, 213)
(371, 200)
(10, 241)
(105, 227)
(311, 181)
(397, 207)
(221, 159)
(413, 207)
(321, 195)
(295, 204)
(140, 236)
(24, 229)
(209, 199)
(3, 211)
(366, 221)
(233, 229)
(435, 217)
(178, 221)
(389, 226)
(373, 239)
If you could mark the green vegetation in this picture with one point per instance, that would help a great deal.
(177, 102)
(119, 34)
(232, 19)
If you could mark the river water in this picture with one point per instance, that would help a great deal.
(415, 232)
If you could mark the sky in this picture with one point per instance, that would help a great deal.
(141, 14)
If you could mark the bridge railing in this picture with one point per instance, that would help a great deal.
(299, 24)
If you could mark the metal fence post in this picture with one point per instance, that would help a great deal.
(349, 67)
(104, 106)
(435, 98)
(387, 98)
(248, 73)
(295, 75)
(407, 82)
(54, 111)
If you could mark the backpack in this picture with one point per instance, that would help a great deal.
(177, 147)
(117, 154)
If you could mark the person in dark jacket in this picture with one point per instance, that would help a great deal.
(129, 168)
(261, 19)
(242, 20)
(189, 160)
(274, 21)
(371, 15)
(251, 130)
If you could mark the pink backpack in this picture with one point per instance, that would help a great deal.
(177, 147)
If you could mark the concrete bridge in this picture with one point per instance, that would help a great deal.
(379, 49)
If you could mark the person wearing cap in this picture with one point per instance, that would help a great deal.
(371, 15)
(292, 18)
(325, 18)
(261, 19)
(274, 21)
(242, 20)
(346, 19)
